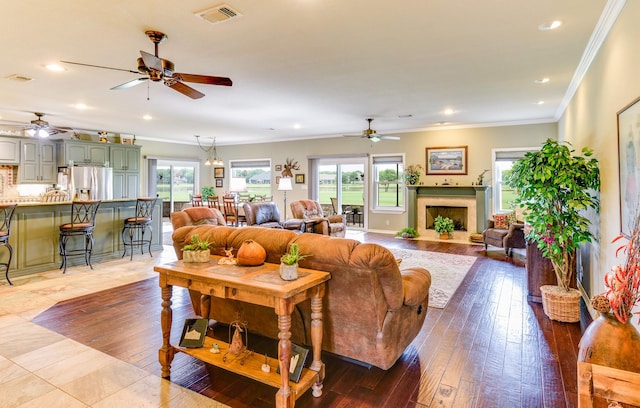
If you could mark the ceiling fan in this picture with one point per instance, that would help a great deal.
(37, 127)
(159, 69)
(372, 135)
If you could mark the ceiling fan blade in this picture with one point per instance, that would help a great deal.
(130, 83)
(184, 89)
(99, 66)
(151, 61)
(205, 79)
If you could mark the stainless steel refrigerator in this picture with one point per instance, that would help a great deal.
(91, 182)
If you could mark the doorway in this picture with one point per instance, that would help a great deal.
(175, 182)
(341, 189)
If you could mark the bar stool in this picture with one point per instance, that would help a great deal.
(83, 221)
(6, 214)
(135, 227)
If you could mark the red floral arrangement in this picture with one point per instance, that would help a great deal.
(623, 282)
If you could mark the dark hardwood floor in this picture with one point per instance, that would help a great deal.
(488, 348)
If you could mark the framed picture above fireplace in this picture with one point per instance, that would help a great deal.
(446, 160)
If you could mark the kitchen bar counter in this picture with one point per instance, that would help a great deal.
(35, 231)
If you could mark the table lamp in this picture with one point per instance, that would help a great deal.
(285, 185)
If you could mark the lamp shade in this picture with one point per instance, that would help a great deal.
(285, 184)
(238, 184)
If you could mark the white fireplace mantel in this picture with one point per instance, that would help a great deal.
(481, 195)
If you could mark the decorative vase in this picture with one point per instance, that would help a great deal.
(559, 304)
(289, 272)
(607, 342)
(412, 179)
(196, 256)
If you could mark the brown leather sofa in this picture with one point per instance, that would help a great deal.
(371, 310)
(309, 210)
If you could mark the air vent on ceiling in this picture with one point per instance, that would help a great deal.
(218, 14)
(19, 78)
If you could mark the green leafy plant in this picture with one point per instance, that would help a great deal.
(557, 188)
(196, 244)
(207, 191)
(443, 225)
(412, 173)
(293, 256)
(408, 232)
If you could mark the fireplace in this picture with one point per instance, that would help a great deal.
(457, 214)
(474, 200)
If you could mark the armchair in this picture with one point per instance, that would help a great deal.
(332, 225)
(507, 238)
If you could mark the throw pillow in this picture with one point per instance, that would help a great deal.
(511, 217)
(500, 221)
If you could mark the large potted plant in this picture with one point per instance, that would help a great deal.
(556, 188)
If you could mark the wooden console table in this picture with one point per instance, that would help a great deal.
(259, 285)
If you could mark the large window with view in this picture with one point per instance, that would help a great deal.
(388, 188)
(257, 176)
(503, 159)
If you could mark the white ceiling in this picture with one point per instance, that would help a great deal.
(325, 65)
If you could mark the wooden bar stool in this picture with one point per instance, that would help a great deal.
(83, 221)
(135, 227)
(6, 214)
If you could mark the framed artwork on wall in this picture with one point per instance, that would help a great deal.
(628, 145)
(300, 178)
(278, 179)
(446, 160)
(278, 167)
(219, 183)
(218, 172)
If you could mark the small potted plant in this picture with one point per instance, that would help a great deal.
(196, 251)
(289, 263)
(407, 233)
(412, 174)
(443, 226)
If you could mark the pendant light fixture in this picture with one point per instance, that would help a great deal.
(211, 150)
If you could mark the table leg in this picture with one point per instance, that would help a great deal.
(166, 352)
(316, 339)
(284, 396)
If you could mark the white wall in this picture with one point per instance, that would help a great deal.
(612, 81)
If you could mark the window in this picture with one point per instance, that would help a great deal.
(257, 174)
(503, 195)
(388, 187)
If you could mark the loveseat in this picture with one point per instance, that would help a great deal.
(371, 310)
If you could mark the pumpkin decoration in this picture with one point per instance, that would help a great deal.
(251, 254)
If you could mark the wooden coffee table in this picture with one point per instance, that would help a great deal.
(259, 285)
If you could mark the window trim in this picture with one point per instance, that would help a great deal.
(374, 207)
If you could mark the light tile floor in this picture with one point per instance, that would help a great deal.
(39, 367)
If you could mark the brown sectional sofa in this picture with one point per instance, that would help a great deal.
(372, 310)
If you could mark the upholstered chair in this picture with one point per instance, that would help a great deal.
(507, 236)
(332, 225)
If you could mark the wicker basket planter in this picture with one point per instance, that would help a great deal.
(559, 304)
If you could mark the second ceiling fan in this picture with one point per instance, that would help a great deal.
(159, 69)
(372, 135)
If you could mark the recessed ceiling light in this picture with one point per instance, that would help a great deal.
(54, 67)
(542, 80)
(147, 117)
(296, 126)
(81, 106)
(448, 111)
(550, 26)
(540, 103)
(442, 123)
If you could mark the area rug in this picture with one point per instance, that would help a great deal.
(447, 271)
